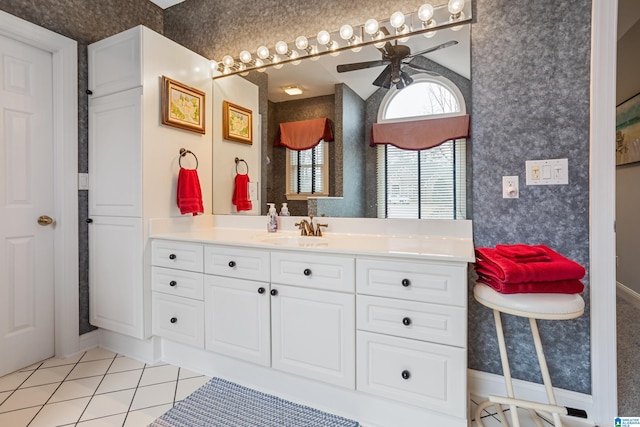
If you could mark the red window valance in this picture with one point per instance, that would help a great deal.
(304, 134)
(420, 134)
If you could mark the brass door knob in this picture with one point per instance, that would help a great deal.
(44, 220)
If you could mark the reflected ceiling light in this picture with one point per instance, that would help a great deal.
(455, 8)
(425, 14)
(302, 43)
(293, 90)
(324, 38)
(346, 33)
(372, 27)
(245, 56)
(263, 52)
(397, 21)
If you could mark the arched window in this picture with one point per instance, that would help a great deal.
(428, 183)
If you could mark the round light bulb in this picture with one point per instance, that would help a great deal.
(294, 55)
(245, 56)
(397, 19)
(276, 62)
(455, 6)
(425, 13)
(371, 26)
(314, 53)
(302, 42)
(262, 52)
(346, 32)
(214, 64)
(260, 63)
(282, 48)
(324, 37)
(227, 60)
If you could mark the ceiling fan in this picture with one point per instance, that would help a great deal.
(394, 56)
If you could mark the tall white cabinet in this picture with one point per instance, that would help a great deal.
(133, 167)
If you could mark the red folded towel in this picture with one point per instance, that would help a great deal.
(189, 194)
(556, 287)
(491, 263)
(240, 196)
(523, 253)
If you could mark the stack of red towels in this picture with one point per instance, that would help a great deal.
(512, 269)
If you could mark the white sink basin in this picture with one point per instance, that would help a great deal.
(308, 241)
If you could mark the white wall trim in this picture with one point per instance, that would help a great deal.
(64, 53)
(602, 209)
(628, 294)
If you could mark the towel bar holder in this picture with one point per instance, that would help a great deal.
(238, 160)
(183, 153)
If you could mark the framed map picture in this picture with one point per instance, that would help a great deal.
(236, 123)
(182, 106)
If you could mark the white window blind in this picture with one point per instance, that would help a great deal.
(307, 171)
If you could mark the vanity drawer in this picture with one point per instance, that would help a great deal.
(429, 375)
(177, 282)
(418, 320)
(183, 256)
(227, 261)
(426, 281)
(178, 319)
(322, 272)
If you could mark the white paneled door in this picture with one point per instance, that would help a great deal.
(26, 206)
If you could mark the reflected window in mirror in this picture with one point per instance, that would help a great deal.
(430, 183)
(308, 172)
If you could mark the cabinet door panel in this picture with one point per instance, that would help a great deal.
(178, 319)
(237, 318)
(115, 63)
(115, 268)
(313, 334)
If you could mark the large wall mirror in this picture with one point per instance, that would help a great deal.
(346, 172)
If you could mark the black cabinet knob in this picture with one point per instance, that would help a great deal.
(406, 321)
(274, 292)
(232, 264)
(173, 283)
(406, 282)
(88, 220)
(172, 256)
(406, 375)
(307, 272)
(173, 320)
(261, 290)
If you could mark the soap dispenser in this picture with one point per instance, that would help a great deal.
(284, 211)
(272, 218)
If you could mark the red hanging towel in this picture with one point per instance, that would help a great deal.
(240, 196)
(189, 194)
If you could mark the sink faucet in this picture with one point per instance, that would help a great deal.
(308, 229)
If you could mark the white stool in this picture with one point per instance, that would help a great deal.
(532, 306)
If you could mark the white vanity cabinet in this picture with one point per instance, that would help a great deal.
(133, 167)
(411, 338)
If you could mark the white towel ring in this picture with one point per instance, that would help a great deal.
(183, 153)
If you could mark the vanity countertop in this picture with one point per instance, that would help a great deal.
(449, 241)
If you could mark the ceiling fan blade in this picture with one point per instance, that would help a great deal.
(434, 48)
(343, 68)
(384, 79)
(421, 68)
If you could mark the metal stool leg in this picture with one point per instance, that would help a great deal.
(544, 370)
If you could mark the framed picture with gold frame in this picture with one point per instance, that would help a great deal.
(182, 106)
(236, 123)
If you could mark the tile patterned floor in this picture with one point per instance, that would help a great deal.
(93, 389)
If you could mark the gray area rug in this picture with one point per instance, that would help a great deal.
(221, 403)
(628, 325)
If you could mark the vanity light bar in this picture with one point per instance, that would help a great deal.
(421, 21)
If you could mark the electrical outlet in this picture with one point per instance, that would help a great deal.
(535, 172)
(510, 189)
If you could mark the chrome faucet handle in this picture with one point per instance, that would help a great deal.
(319, 230)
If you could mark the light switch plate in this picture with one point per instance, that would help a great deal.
(83, 181)
(547, 172)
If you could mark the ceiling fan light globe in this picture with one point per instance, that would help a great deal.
(425, 12)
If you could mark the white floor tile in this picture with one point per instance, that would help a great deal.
(185, 373)
(144, 417)
(12, 381)
(98, 354)
(19, 418)
(47, 376)
(120, 381)
(188, 386)
(31, 367)
(4, 395)
(112, 421)
(108, 404)
(121, 364)
(61, 413)
(159, 374)
(154, 395)
(89, 369)
(74, 389)
(28, 397)
(54, 361)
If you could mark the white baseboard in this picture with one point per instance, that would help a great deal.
(89, 340)
(628, 293)
(147, 351)
(483, 384)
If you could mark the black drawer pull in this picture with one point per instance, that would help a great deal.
(406, 375)
(172, 256)
(173, 283)
(406, 321)
(406, 282)
(274, 292)
(173, 320)
(232, 264)
(261, 290)
(307, 272)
